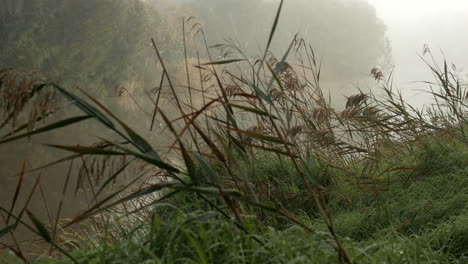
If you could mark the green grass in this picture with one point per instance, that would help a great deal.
(271, 172)
(423, 220)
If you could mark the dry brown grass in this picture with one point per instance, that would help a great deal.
(20, 98)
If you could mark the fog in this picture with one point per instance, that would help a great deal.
(408, 25)
(76, 47)
(412, 24)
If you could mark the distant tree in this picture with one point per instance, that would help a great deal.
(348, 34)
(244, 21)
(88, 42)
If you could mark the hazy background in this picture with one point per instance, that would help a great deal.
(103, 45)
(410, 25)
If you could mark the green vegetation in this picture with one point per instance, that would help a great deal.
(96, 45)
(264, 170)
(421, 219)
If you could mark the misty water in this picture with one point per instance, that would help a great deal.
(349, 36)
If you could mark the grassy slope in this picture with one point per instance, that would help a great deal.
(421, 219)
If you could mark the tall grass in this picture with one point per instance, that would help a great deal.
(265, 151)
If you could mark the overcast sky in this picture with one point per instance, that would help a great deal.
(416, 9)
(442, 24)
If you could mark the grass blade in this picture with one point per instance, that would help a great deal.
(100, 151)
(261, 94)
(252, 110)
(8, 229)
(156, 104)
(87, 150)
(148, 190)
(92, 211)
(56, 125)
(273, 29)
(27, 124)
(85, 107)
(271, 139)
(138, 141)
(221, 62)
(111, 178)
(40, 227)
(18, 189)
(208, 169)
(36, 231)
(187, 159)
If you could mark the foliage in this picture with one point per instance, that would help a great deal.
(87, 43)
(264, 170)
(207, 237)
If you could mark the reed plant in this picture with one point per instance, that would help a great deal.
(260, 169)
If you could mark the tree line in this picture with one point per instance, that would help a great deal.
(102, 43)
